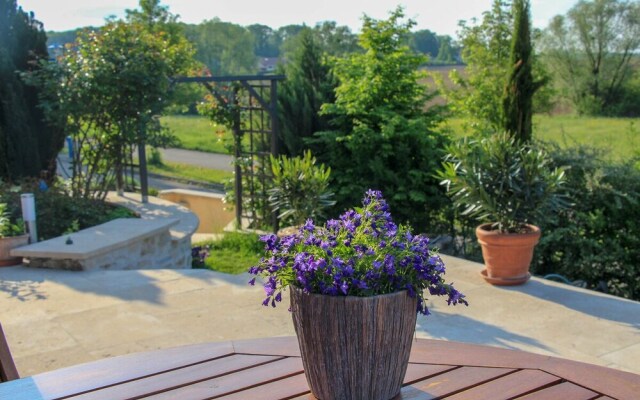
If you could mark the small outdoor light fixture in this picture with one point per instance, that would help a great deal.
(29, 215)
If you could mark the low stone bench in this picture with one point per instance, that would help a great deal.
(124, 243)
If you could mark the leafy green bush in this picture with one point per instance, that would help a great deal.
(155, 157)
(8, 228)
(300, 188)
(57, 212)
(233, 254)
(500, 181)
(597, 239)
(381, 136)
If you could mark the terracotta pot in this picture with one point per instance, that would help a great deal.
(9, 243)
(507, 256)
(354, 347)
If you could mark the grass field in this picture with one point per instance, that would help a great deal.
(233, 254)
(620, 137)
(198, 133)
(185, 171)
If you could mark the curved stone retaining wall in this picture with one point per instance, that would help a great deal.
(160, 239)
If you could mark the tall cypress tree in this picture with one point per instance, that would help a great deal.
(518, 97)
(28, 145)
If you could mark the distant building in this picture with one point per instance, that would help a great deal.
(267, 65)
(55, 51)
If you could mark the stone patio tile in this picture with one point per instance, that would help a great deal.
(49, 360)
(28, 338)
(627, 358)
(120, 324)
(148, 344)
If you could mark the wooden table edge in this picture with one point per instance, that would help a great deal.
(611, 382)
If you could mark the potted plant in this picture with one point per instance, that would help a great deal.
(11, 236)
(357, 284)
(507, 186)
(300, 190)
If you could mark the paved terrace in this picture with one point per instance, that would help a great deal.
(59, 318)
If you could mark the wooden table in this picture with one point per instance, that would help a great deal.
(271, 369)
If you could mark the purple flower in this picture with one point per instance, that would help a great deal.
(362, 253)
(270, 241)
(333, 224)
(308, 226)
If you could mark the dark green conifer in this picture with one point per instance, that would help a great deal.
(28, 145)
(518, 98)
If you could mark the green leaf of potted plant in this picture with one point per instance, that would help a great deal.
(507, 185)
(11, 236)
(300, 190)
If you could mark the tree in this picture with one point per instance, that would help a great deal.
(309, 84)
(336, 40)
(445, 51)
(425, 42)
(518, 98)
(477, 95)
(590, 51)
(28, 145)
(266, 41)
(381, 136)
(225, 48)
(107, 92)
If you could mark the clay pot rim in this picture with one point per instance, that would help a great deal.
(482, 230)
(15, 236)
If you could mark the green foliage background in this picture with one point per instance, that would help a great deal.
(598, 237)
(381, 137)
(28, 145)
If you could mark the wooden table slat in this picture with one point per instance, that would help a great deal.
(235, 382)
(282, 389)
(507, 387)
(415, 372)
(451, 382)
(418, 372)
(169, 380)
(93, 375)
(615, 383)
(564, 391)
(285, 346)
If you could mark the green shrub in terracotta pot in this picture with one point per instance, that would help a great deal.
(507, 186)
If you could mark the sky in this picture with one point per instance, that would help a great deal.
(440, 16)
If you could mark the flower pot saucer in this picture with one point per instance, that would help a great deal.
(505, 281)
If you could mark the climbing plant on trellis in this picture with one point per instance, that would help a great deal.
(248, 106)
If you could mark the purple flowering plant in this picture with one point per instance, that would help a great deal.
(363, 253)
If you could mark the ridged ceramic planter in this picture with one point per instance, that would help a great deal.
(354, 348)
(9, 243)
(507, 256)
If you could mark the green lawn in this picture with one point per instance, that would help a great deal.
(233, 254)
(198, 133)
(185, 171)
(619, 136)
